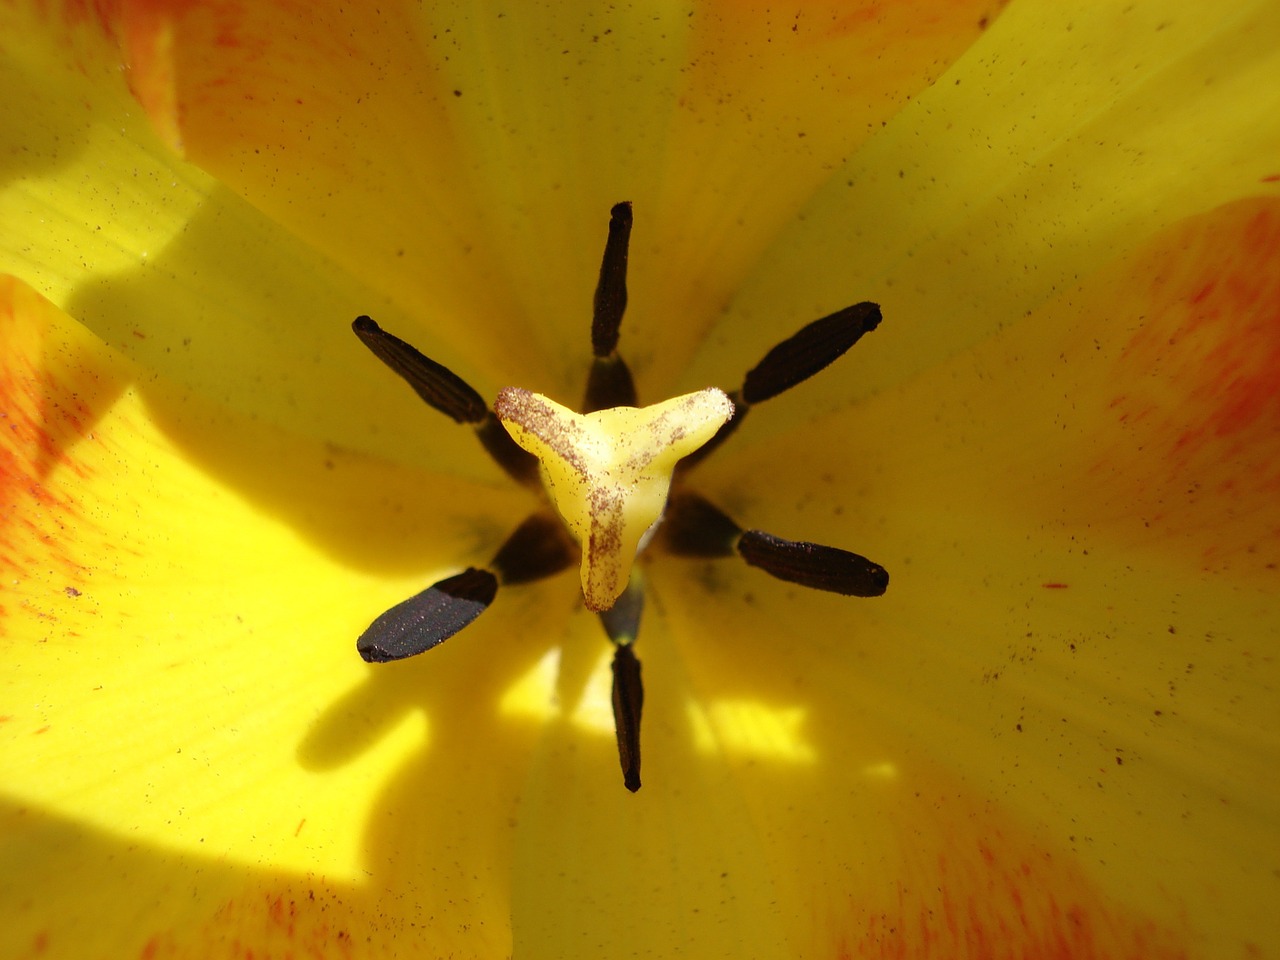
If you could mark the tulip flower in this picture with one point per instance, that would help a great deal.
(1054, 735)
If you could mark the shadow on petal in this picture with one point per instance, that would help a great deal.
(85, 891)
(245, 315)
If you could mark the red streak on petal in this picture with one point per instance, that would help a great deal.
(953, 872)
(115, 18)
(1203, 292)
(37, 418)
(46, 411)
(268, 919)
(1054, 586)
(282, 914)
(995, 894)
(1221, 340)
(1271, 178)
(1189, 451)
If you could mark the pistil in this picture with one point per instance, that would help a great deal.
(609, 472)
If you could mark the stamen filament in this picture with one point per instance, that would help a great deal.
(429, 618)
(809, 350)
(447, 392)
(610, 301)
(813, 565)
(538, 548)
(609, 383)
(439, 386)
(695, 527)
(628, 701)
(622, 624)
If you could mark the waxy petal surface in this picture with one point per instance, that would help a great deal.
(183, 704)
(1054, 736)
(389, 135)
(1097, 656)
(171, 268)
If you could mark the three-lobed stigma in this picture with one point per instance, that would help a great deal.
(608, 473)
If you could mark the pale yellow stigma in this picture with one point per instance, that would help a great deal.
(609, 472)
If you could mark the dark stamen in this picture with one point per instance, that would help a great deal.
(520, 465)
(431, 617)
(437, 385)
(447, 392)
(628, 699)
(611, 289)
(538, 548)
(609, 383)
(622, 624)
(793, 361)
(813, 565)
(694, 527)
(622, 620)
(811, 349)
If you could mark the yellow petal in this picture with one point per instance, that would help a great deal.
(388, 136)
(1097, 653)
(868, 845)
(1061, 139)
(1058, 148)
(772, 104)
(183, 703)
(173, 270)
(346, 124)
(608, 472)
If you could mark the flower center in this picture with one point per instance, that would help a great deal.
(609, 472)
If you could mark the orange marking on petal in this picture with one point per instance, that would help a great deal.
(1148, 399)
(41, 415)
(73, 13)
(761, 86)
(992, 892)
(289, 922)
(1198, 422)
(287, 104)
